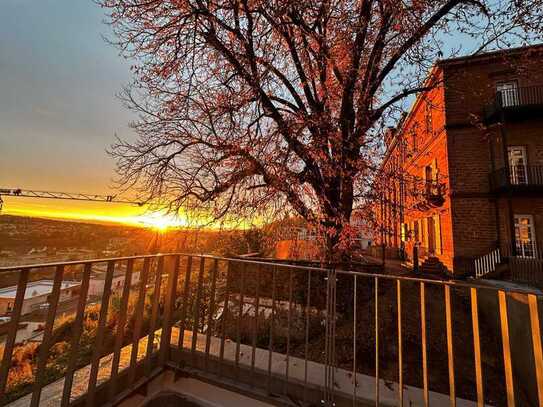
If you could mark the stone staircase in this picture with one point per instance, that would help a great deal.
(432, 265)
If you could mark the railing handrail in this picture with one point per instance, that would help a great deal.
(230, 287)
(442, 282)
(517, 175)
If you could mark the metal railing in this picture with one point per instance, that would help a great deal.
(299, 334)
(513, 99)
(523, 96)
(487, 263)
(517, 176)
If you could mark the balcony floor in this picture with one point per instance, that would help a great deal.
(195, 391)
(210, 395)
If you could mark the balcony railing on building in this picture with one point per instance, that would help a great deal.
(431, 195)
(292, 335)
(520, 262)
(514, 104)
(519, 178)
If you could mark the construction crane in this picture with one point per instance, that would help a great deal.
(18, 192)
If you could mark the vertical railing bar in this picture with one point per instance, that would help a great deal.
(196, 310)
(334, 322)
(536, 343)
(186, 294)
(119, 334)
(327, 339)
(154, 315)
(477, 348)
(424, 350)
(450, 349)
(354, 338)
(289, 325)
(376, 341)
(211, 313)
(138, 318)
(400, 340)
(12, 331)
(224, 315)
(307, 320)
(169, 304)
(47, 334)
(506, 349)
(272, 323)
(97, 352)
(241, 287)
(255, 331)
(78, 329)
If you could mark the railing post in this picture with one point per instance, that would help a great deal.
(423, 336)
(477, 348)
(97, 352)
(536, 343)
(196, 310)
(211, 313)
(186, 294)
(76, 335)
(138, 317)
(225, 310)
(12, 332)
(154, 315)
(119, 334)
(173, 276)
(400, 340)
(450, 348)
(47, 334)
(376, 295)
(506, 349)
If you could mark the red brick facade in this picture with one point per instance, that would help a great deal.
(434, 186)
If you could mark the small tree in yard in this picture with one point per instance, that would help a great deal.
(252, 106)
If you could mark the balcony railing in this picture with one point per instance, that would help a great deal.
(514, 103)
(517, 178)
(298, 335)
(431, 195)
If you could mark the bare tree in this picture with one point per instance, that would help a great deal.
(251, 106)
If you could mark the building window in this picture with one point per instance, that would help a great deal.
(525, 236)
(518, 170)
(507, 93)
(414, 141)
(429, 122)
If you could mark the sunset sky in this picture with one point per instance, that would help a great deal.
(58, 109)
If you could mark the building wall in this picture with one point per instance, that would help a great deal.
(480, 219)
(421, 142)
(464, 151)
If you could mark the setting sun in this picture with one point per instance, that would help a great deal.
(160, 221)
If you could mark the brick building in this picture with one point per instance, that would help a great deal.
(463, 173)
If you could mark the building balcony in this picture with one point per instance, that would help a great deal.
(202, 330)
(514, 105)
(431, 196)
(524, 180)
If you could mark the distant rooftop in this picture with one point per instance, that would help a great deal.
(36, 288)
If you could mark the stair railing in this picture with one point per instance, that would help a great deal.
(487, 263)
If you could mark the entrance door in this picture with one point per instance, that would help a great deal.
(525, 236)
(507, 93)
(518, 170)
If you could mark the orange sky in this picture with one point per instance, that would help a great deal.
(90, 211)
